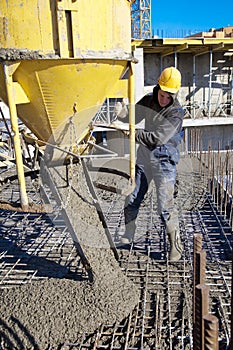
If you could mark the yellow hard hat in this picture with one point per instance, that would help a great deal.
(170, 80)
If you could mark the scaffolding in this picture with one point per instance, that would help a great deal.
(141, 19)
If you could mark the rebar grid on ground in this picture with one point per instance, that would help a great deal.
(161, 320)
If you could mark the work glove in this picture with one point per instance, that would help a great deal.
(126, 132)
(120, 110)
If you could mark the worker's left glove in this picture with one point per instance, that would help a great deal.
(126, 132)
(120, 110)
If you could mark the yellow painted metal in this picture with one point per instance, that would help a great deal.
(132, 124)
(119, 89)
(181, 41)
(167, 46)
(8, 72)
(19, 94)
(59, 61)
(58, 88)
(112, 26)
(25, 24)
(71, 54)
(67, 28)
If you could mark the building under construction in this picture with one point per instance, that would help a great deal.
(66, 280)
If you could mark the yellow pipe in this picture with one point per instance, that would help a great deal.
(132, 124)
(15, 129)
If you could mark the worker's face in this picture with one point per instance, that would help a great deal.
(164, 98)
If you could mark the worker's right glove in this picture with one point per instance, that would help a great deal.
(120, 110)
(126, 132)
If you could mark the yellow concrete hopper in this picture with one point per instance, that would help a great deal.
(48, 92)
(62, 58)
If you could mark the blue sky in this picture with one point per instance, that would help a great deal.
(180, 17)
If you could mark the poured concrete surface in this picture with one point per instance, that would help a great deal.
(52, 311)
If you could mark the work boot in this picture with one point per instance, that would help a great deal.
(173, 232)
(128, 236)
(176, 247)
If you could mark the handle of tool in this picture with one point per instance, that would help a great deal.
(113, 126)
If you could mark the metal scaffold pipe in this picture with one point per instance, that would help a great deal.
(197, 248)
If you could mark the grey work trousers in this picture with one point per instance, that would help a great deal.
(163, 171)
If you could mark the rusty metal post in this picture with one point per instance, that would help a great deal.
(231, 340)
(212, 179)
(201, 310)
(200, 267)
(226, 191)
(201, 162)
(217, 175)
(210, 332)
(200, 274)
(221, 187)
(208, 165)
(230, 218)
(197, 248)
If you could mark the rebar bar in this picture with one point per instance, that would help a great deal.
(210, 332)
(197, 247)
(164, 306)
(199, 275)
(201, 309)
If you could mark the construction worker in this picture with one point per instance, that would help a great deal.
(157, 156)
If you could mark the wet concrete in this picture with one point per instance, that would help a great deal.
(54, 311)
(13, 54)
(48, 313)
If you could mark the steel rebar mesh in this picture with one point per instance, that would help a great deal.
(162, 318)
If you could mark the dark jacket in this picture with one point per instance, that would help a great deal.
(163, 126)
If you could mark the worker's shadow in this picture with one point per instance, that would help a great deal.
(15, 252)
(10, 337)
(143, 246)
(12, 255)
(21, 266)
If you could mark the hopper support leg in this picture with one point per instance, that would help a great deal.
(99, 210)
(8, 71)
(132, 124)
(49, 179)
